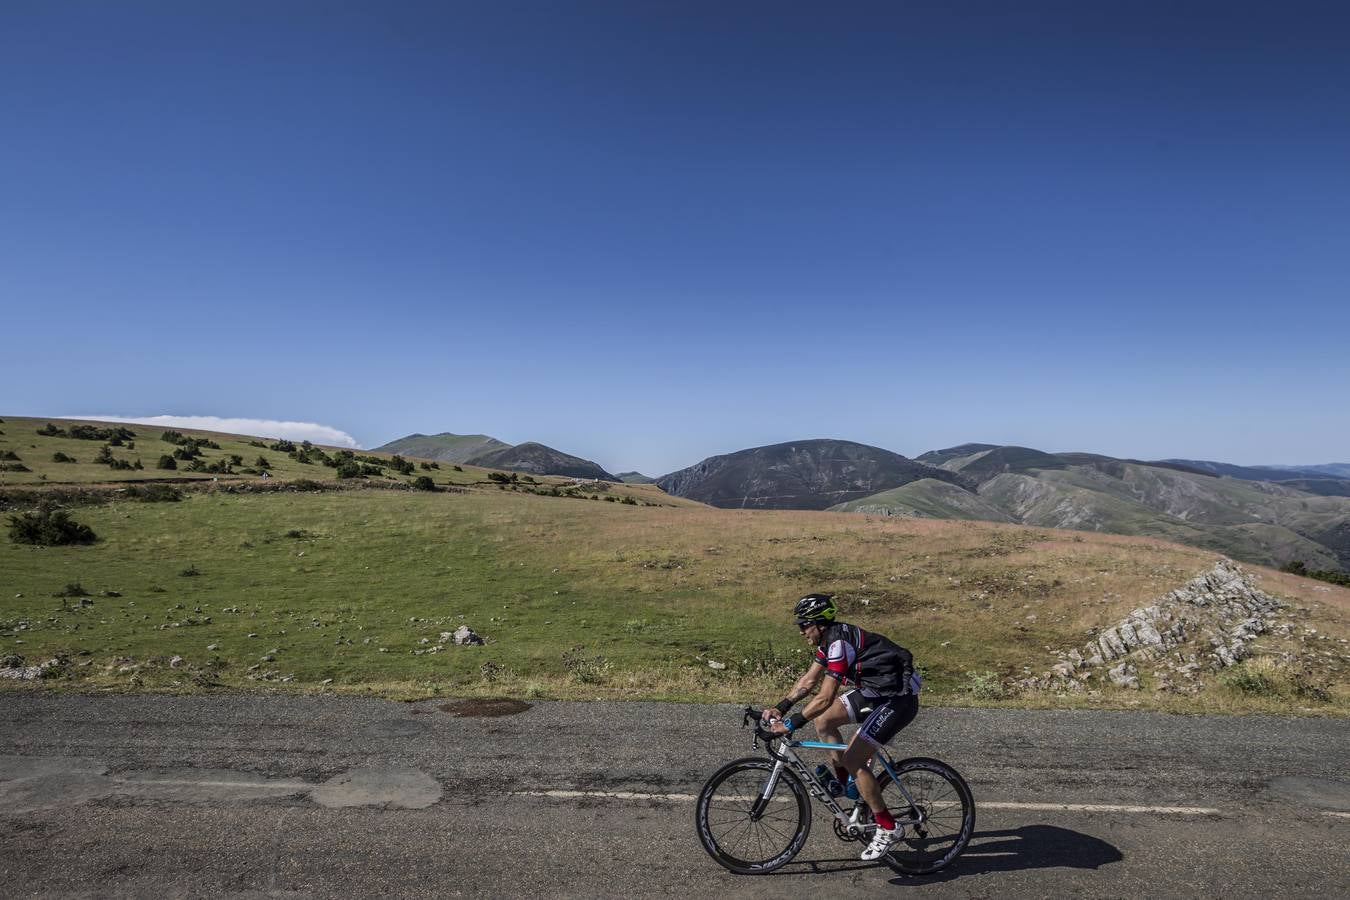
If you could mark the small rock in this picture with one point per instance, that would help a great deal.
(212, 646)
(326, 681)
(465, 635)
(714, 664)
(175, 662)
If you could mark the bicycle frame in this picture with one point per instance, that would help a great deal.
(786, 755)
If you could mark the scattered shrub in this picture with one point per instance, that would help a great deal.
(424, 483)
(984, 685)
(282, 446)
(629, 501)
(190, 572)
(297, 534)
(348, 469)
(60, 457)
(457, 468)
(104, 455)
(50, 430)
(236, 459)
(14, 467)
(585, 669)
(173, 437)
(72, 589)
(262, 463)
(154, 493)
(166, 462)
(9, 454)
(257, 444)
(49, 528)
(186, 453)
(120, 465)
(368, 469)
(401, 465)
(91, 433)
(1250, 681)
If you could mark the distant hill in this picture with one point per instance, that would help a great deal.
(1335, 470)
(456, 448)
(1252, 473)
(810, 474)
(1264, 521)
(635, 478)
(538, 459)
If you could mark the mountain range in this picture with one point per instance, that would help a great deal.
(490, 453)
(1263, 514)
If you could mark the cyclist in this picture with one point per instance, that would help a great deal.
(882, 694)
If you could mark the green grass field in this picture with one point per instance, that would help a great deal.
(351, 589)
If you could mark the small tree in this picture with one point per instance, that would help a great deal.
(49, 528)
(424, 483)
(166, 462)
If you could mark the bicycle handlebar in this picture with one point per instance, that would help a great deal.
(757, 716)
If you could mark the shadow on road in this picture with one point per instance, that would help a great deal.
(1008, 850)
(1028, 847)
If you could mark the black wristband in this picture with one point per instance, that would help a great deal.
(795, 721)
(784, 705)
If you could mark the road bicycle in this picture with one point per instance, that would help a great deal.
(754, 814)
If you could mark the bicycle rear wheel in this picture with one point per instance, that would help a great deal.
(742, 833)
(944, 802)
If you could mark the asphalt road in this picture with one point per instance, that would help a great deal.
(153, 796)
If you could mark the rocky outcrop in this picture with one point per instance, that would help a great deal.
(1206, 625)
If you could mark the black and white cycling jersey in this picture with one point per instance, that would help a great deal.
(873, 663)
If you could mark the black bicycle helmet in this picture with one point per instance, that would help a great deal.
(815, 609)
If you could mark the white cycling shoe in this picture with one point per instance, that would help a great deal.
(883, 839)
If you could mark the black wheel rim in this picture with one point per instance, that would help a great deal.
(742, 838)
(942, 833)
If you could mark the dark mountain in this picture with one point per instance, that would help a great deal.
(1250, 473)
(938, 457)
(812, 474)
(538, 459)
(456, 448)
(635, 478)
(993, 462)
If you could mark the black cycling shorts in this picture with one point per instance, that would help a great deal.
(881, 717)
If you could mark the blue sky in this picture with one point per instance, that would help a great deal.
(648, 233)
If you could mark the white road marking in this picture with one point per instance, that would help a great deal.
(605, 795)
(1102, 807)
(1056, 807)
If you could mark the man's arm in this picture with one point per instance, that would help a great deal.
(800, 691)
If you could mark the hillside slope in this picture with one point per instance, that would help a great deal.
(1259, 521)
(538, 459)
(810, 474)
(446, 446)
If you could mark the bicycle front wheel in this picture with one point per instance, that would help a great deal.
(945, 809)
(743, 832)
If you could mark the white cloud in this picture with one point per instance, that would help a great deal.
(295, 431)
